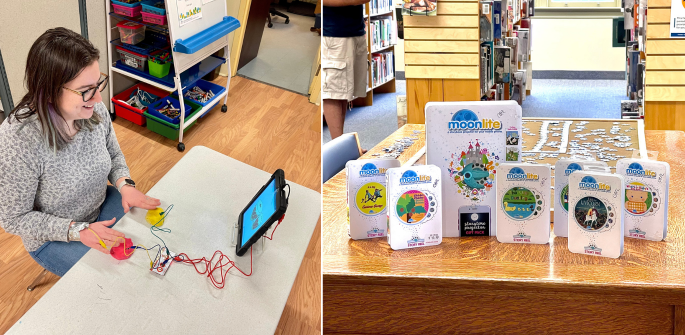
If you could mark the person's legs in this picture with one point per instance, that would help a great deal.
(334, 111)
(112, 207)
(337, 57)
(58, 257)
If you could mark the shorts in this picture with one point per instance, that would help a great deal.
(344, 65)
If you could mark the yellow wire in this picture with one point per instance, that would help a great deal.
(102, 243)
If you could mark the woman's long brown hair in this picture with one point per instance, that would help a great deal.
(56, 58)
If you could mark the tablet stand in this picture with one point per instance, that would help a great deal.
(258, 246)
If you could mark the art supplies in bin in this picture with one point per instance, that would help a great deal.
(197, 94)
(133, 110)
(141, 99)
(168, 109)
(159, 64)
(131, 32)
(168, 129)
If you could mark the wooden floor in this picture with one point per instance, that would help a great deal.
(265, 127)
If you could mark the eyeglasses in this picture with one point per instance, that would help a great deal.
(90, 93)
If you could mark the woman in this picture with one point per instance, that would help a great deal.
(57, 151)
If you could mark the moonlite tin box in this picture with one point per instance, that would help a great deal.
(366, 197)
(414, 207)
(467, 141)
(646, 198)
(523, 203)
(562, 170)
(595, 216)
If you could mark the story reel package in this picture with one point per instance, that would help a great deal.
(596, 213)
(367, 197)
(562, 170)
(523, 203)
(646, 197)
(468, 141)
(415, 207)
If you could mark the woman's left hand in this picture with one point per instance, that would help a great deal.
(131, 197)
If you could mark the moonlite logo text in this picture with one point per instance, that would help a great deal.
(369, 173)
(481, 124)
(589, 183)
(370, 170)
(517, 173)
(635, 169)
(595, 186)
(522, 176)
(415, 179)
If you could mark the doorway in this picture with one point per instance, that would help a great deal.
(280, 51)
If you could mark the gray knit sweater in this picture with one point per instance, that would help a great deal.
(41, 192)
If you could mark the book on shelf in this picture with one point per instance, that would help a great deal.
(382, 33)
(380, 6)
(382, 67)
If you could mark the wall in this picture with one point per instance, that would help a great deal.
(232, 9)
(575, 44)
(23, 21)
(97, 34)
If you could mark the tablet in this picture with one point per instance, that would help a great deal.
(267, 206)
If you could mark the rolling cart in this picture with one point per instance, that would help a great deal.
(192, 48)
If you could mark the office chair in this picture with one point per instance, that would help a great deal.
(336, 153)
(273, 11)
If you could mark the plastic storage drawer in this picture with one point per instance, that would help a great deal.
(128, 112)
(132, 59)
(154, 18)
(205, 86)
(149, 7)
(154, 110)
(167, 129)
(131, 32)
(126, 10)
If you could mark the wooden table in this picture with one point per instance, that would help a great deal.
(478, 285)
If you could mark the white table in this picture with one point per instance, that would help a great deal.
(101, 295)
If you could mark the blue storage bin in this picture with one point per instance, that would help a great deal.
(149, 7)
(205, 86)
(126, 4)
(154, 110)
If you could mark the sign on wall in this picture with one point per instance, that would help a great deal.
(677, 22)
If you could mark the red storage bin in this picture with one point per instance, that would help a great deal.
(128, 112)
(127, 11)
(154, 18)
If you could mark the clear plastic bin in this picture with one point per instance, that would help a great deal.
(131, 32)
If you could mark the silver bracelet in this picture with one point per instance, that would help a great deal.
(75, 230)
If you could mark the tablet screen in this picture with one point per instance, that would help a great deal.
(259, 212)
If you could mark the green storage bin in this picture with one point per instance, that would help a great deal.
(158, 70)
(170, 130)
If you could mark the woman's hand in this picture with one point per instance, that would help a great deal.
(109, 236)
(131, 197)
